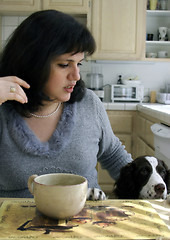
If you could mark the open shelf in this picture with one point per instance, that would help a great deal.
(154, 20)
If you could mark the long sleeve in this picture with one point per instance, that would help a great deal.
(112, 154)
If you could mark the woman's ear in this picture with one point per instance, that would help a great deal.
(125, 185)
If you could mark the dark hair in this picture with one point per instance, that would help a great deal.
(32, 47)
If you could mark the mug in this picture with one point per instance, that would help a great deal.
(149, 37)
(58, 195)
(153, 4)
(162, 33)
(163, 4)
(162, 54)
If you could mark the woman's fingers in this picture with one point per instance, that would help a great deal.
(11, 89)
(17, 80)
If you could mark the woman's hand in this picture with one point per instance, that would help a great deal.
(11, 89)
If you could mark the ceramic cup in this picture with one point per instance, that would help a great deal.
(58, 195)
(163, 4)
(162, 54)
(163, 33)
(153, 4)
(151, 55)
(149, 37)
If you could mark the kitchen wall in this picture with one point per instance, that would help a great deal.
(9, 23)
(152, 75)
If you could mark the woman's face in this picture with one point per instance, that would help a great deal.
(63, 77)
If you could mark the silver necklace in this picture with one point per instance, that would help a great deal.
(46, 116)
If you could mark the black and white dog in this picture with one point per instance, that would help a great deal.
(144, 178)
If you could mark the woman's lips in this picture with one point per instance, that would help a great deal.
(69, 89)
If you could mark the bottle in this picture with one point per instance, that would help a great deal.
(153, 96)
(119, 81)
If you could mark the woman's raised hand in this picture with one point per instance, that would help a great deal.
(11, 89)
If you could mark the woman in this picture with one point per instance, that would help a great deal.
(49, 122)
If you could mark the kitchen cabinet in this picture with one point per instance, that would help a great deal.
(18, 6)
(144, 138)
(142, 148)
(122, 125)
(155, 19)
(80, 9)
(119, 29)
(68, 6)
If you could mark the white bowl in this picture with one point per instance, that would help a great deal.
(131, 82)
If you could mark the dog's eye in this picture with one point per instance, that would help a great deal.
(161, 171)
(144, 171)
(163, 174)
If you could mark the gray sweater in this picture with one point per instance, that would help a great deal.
(83, 136)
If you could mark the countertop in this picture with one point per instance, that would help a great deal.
(156, 110)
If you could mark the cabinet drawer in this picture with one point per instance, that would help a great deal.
(149, 134)
(143, 148)
(144, 130)
(140, 123)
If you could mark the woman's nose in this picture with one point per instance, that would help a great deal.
(74, 74)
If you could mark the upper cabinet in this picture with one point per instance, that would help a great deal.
(118, 27)
(157, 48)
(68, 6)
(80, 9)
(18, 6)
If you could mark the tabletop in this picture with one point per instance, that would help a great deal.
(111, 219)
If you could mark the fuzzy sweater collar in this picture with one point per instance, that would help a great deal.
(29, 143)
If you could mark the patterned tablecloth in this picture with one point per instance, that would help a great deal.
(110, 219)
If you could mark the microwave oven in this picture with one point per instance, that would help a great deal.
(127, 93)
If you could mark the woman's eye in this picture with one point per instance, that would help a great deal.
(79, 64)
(63, 65)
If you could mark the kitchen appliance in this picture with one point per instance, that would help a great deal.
(164, 95)
(161, 142)
(95, 83)
(163, 98)
(127, 93)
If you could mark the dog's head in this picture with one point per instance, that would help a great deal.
(146, 178)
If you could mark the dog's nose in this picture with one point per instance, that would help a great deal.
(159, 188)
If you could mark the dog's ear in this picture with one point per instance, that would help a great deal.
(167, 181)
(166, 176)
(161, 162)
(125, 185)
